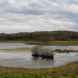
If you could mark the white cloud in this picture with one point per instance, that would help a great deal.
(37, 15)
(34, 23)
(71, 8)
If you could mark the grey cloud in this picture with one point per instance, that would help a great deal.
(37, 15)
(34, 8)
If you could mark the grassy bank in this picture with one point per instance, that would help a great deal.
(67, 71)
(63, 42)
(16, 49)
(53, 42)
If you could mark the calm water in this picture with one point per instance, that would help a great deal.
(24, 58)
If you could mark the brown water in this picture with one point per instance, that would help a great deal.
(24, 58)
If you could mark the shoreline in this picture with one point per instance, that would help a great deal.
(40, 69)
(66, 70)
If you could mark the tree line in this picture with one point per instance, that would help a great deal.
(39, 36)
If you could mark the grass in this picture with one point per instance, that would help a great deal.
(67, 71)
(51, 42)
(63, 42)
(54, 42)
(16, 49)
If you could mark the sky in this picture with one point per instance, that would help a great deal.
(38, 15)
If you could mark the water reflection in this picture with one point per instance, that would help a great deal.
(42, 63)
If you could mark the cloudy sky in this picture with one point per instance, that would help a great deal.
(38, 15)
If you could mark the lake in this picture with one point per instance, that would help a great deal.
(24, 59)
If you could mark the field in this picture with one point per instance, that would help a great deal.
(63, 42)
(53, 42)
(67, 71)
(50, 42)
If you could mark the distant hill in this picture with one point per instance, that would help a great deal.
(40, 36)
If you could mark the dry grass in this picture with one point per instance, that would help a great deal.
(67, 71)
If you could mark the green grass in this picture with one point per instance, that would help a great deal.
(16, 49)
(63, 42)
(67, 71)
(54, 42)
(33, 76)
